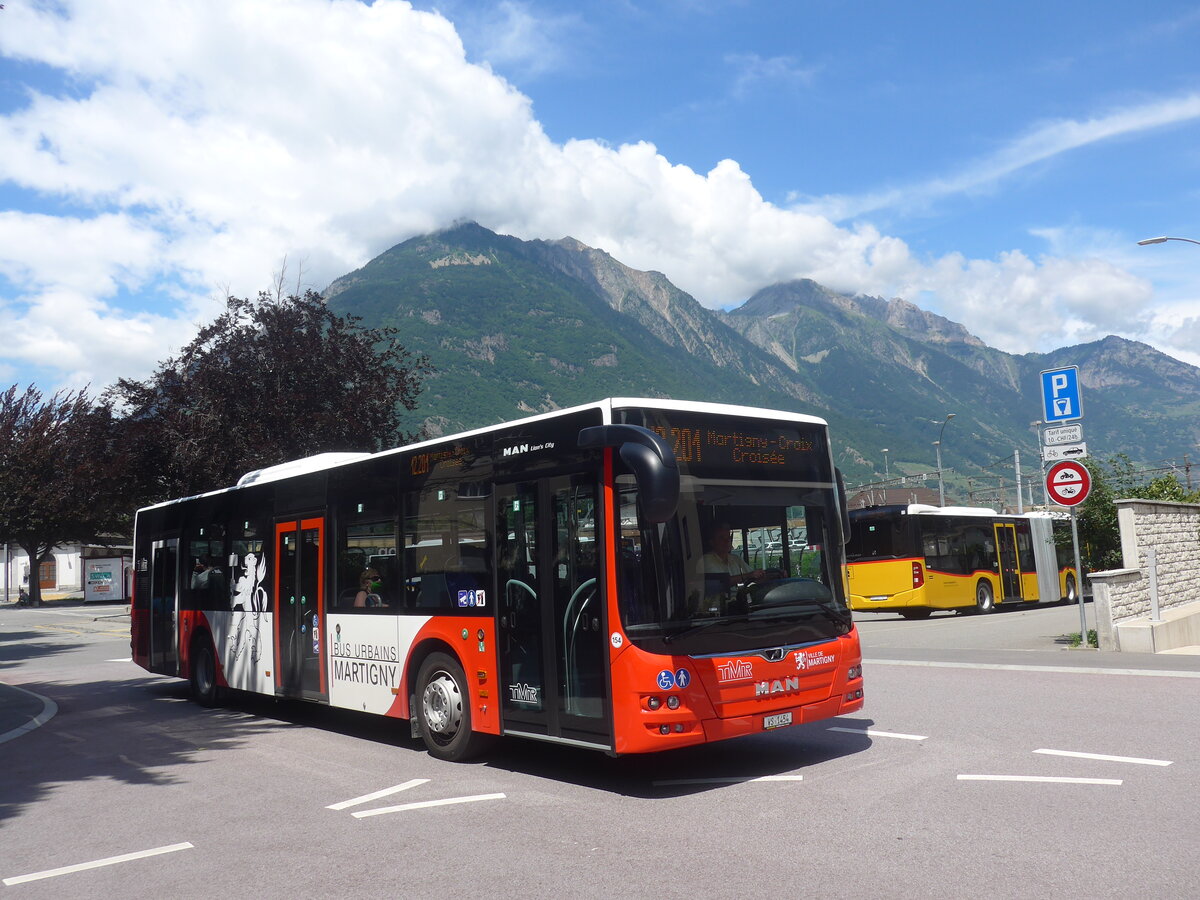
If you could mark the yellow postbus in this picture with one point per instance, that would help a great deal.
(914, 559)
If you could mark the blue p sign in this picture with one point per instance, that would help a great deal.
(1060, 395)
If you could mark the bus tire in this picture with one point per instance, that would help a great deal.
(444, 710)
(202, 672)
(1070, 596)
(985, 600)
(915, 613)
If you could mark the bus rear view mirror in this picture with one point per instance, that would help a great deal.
(650, 458)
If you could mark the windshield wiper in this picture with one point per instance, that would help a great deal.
(703, 626)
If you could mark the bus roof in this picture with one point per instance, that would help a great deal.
(323, 461)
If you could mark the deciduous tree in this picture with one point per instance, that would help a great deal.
(60, 473)
(269, 380)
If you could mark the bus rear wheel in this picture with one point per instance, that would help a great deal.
(915, 613)
(203, 672)
(444, 710)
(985, 600)
(1070, 595)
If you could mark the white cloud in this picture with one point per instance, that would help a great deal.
(204, 142)
(1039, 144)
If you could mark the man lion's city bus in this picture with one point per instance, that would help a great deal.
(914, 559)
(544, 578)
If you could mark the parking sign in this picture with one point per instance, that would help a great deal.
(1061, 399)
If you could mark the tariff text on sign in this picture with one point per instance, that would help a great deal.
(1062, 434)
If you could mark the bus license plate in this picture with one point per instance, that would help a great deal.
(777, 721)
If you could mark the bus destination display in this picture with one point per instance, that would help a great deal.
(740, 447)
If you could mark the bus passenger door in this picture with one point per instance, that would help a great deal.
(552, 626)
(300, 609)
(519, 569)
(164, 607)
(1006, 552)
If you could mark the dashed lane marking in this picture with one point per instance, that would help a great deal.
(450, 801)
(1136, 760)
(97, 864)
(871, 732)
(1041, 779)
(386, 792)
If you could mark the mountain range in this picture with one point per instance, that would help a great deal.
(516, 327)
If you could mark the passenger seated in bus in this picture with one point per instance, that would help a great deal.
(369, 587)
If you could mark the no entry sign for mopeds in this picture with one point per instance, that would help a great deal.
(1068, 482)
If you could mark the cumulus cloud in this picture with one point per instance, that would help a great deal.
(197, 144)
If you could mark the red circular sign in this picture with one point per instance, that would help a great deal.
(1068, 482)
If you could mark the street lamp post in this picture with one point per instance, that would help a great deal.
(938, 446)
(1162, 240)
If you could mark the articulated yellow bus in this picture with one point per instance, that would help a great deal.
(915, 559)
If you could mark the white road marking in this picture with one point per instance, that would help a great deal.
(1041, 779)
(386, 792)
(733, 779)
(1123, 759)
(871, 732)
(49, 711)
(100, 863)
(1081, 670)
(384, 810)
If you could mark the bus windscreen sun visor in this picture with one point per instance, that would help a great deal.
(650, 458)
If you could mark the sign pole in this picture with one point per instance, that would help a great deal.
(1079, 581)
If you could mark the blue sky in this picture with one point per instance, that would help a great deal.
(995, 164)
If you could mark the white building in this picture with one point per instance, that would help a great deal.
(64, 571)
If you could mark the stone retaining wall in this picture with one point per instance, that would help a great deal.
(1172, 530)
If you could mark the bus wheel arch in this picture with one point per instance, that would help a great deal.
(202, 669)
(985, 597)
(442, 709)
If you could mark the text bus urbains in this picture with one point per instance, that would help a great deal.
(914, 559)
(545, 578)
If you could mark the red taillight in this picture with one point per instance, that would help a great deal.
(918, 575)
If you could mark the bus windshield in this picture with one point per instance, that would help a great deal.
(741, 566)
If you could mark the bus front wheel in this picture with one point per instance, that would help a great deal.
(444, 710)
(985, 601)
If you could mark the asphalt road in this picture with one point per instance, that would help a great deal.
(927, 793)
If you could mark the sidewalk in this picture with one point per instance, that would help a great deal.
(59, 599)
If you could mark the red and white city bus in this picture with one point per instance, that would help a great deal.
(545, 578)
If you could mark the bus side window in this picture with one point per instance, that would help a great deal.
(368, 547)
(447, 548)
(205, 577)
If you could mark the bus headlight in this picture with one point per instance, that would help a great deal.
(654, 702)
(673, 701)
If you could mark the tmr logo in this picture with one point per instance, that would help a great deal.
(813, 659)
(738, 670)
